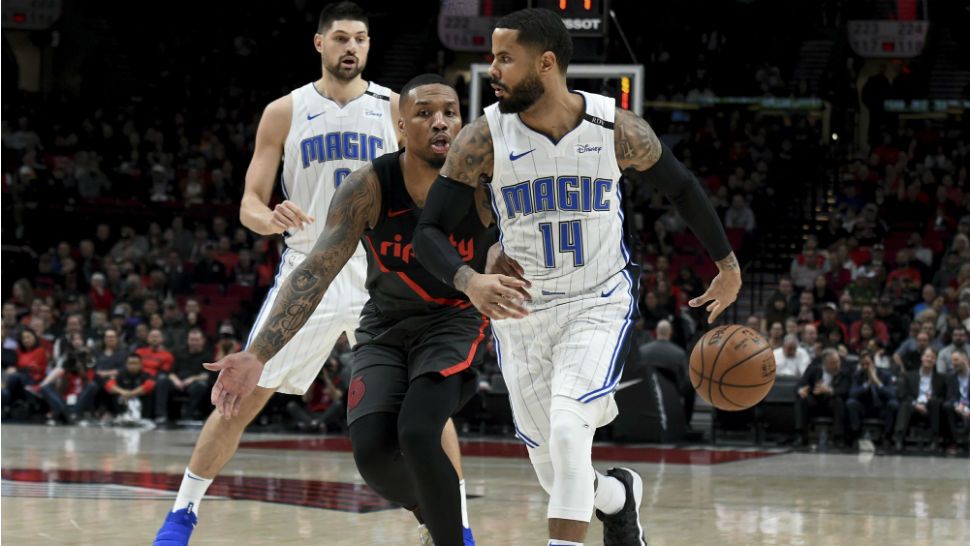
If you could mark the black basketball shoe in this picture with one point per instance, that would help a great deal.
(623, 528)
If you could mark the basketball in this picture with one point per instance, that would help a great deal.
(732, 367)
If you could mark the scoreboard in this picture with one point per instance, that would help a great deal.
(583, 18)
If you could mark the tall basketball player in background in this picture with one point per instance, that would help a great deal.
(323, 131)
(552, 160)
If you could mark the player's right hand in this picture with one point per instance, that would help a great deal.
(497, 296)
(288, 216)
(497, 261)
(238, 375)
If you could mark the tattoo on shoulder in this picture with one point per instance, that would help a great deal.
(471, 157)
(637, 146)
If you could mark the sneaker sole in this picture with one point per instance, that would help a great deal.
(637, 497)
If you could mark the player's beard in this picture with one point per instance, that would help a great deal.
(338, 71)
(519, 98)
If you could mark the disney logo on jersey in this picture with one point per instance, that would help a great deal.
(339, 145)
(368, 113)
(584, 148)
(405, 252)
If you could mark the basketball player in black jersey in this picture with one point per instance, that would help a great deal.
(418, 337)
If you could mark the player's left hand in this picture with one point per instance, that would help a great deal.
(238, 375)
(722, 292)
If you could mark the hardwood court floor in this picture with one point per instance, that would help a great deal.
(114, 486)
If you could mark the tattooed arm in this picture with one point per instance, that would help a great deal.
(457, 191)
(355, 206)
(641, 156)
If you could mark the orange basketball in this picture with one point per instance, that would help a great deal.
(732, 367)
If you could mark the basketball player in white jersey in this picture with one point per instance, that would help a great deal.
(322, 131)
(552, 160)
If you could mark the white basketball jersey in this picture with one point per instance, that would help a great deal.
(558, 203)
(326, 143)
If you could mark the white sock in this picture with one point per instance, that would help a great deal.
(610, 495)
(561, 542)
(191, 491)
(464, 505)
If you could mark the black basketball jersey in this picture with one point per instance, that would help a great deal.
(396, 280)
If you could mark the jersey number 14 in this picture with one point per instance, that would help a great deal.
(570, 241)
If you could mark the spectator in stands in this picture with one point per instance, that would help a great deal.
(209, 270)
(659, 241)
(776, 335)
(808, 265)
(821, 392)
(896, 323)
(671, 360)
(756, 323)
(739, 215)
(187, 377)
(872, 395)
(107, 363)
(956, 405)
(929, 294)
(809, 337)
(910, 354)
(246, 272)
(323, 407)
(179, 280)
(920, 393)
(790, 359)
(868, 317)
(848, 313)
(64, 384)
(30, 369)
(73, 325)
(791, 327)
(228, 343)
(806, 307)
(689, 284)
(821, 291)
(880, 355)
(776, 310)
(787, 291)
(927, 324)
(154, 357)
(944, 364)
(963, 314)
(919, 252)
(829, 322)
(131, 388)
(905, 273)
(863, 289)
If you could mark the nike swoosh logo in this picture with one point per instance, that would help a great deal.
(610, 293)
(310, 118)
(393, 213)
(513, 157)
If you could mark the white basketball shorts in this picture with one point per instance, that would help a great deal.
(573, 347)
(294, 368)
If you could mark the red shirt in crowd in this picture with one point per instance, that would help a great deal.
(878, 326)
(911, 273)
(33, 363)
(101, 301)
(153, 361)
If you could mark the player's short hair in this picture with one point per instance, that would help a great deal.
(418, 81)
(542, 29)
(341, 11)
